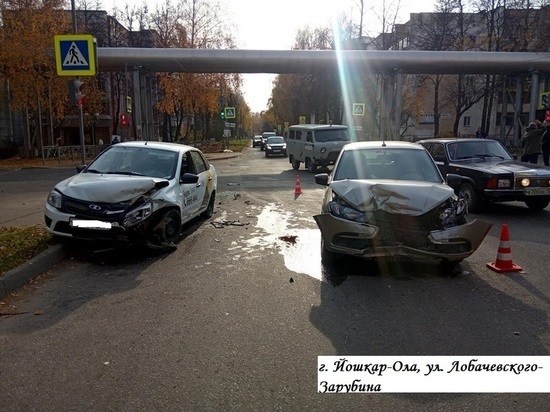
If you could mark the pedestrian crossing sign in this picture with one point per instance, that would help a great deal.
(358, 109)
(230, 113)
(75, 55)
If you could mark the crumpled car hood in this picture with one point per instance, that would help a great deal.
(392, 196)
(106, 188)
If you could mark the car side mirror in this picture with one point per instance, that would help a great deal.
(453, 180)
(80, 168)
(439, 158)
(188, 178)
(322, 179)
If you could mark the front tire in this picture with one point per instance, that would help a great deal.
(537, 204)
(167, 231)
(295, 164)
(311, 166)
(467, 191)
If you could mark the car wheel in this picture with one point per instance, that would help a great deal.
(311, 166)
(537, 204)
(472, 198)
(266, 155)
(295, 164)
(167, 231)
(209, 212)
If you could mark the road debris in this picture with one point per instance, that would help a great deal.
(289, 239)
(218, 224)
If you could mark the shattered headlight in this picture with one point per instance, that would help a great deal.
(55, 199)
(343, 211)
(139, 214)
(453, 210)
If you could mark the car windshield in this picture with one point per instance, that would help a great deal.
(397, 164)
(139, 161)
(275, 140)
(480, 149)
(330, 135)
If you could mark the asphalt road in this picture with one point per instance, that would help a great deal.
(235, 318)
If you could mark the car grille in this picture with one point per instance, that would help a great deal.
(533, 181)
(408, 230)
(93, 210)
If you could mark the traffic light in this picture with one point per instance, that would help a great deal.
(222, 114)
(123, 120)
(76, 92)
(547, 116)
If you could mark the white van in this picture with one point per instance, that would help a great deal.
(316, 145)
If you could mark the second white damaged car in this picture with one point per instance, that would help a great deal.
(389, 199)
(141, 192)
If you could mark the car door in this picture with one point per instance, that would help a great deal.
(187, 190)
(200, 195)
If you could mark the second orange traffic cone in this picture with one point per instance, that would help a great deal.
(297, 189)
(504, 262)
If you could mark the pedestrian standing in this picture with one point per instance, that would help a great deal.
(531, 142)
(480, 134)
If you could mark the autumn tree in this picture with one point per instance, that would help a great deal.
(27, 63)
(315, 95)
(190, 100)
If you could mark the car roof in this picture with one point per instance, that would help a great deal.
(318, 126)
(452, 139)
(388, 144)
(175, 147)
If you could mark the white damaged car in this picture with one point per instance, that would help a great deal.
(140, 192)
(389, 199)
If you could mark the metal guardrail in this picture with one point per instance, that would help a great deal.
(70, 152)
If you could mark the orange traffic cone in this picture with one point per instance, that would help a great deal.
(298, 189)
(504, 261)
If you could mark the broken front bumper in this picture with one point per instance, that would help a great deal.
(363, 240)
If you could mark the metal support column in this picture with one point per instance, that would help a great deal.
(503, 110)
(398, 106)
(137, 102)
(534, 95)
(517, 111)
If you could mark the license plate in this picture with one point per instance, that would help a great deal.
(537, 191)
(90, 224)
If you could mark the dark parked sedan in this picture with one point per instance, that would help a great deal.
(490, 173)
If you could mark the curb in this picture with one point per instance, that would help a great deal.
(18, 277)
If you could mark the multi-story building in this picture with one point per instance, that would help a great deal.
(459, 104)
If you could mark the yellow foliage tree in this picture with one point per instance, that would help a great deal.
(27, 61)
